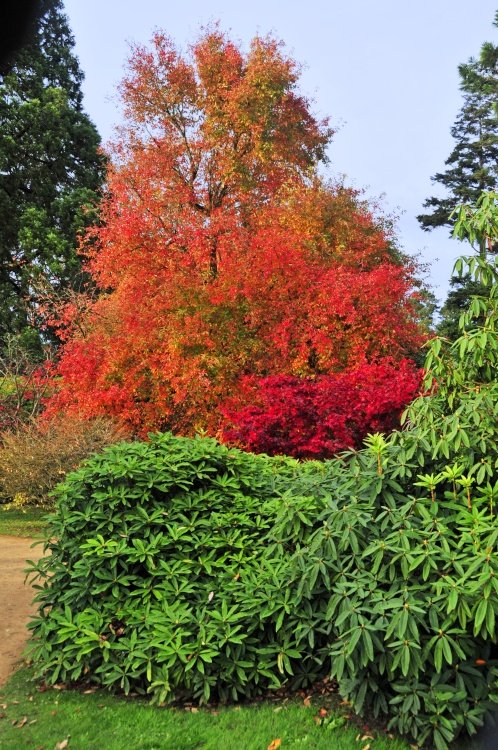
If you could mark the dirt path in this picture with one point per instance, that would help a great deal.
(15, 600)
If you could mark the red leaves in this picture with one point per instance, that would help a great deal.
(318, 418)
(221, 254)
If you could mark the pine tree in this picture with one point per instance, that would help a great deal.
(472, 167)
(50, 172)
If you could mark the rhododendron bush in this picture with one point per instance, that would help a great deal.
(222, 254)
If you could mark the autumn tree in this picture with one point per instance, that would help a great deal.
(221, 253)
(50, 172)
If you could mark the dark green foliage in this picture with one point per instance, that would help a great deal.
(414, 593)
(166, 576)
(50, 172)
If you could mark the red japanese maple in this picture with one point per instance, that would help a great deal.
(221, 253)
(305, 418)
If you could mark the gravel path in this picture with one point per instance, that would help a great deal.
(15, 600)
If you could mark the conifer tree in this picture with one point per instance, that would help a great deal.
(50, 172)
(471, 168)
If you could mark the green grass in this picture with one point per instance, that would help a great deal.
(27, 522)
(100, 721)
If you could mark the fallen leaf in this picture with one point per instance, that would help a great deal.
(274, 744)
(367, 747)
(194, 710)
(22, 722)
(366, 737)
(307, 701)
(62, 744)
(323, 712)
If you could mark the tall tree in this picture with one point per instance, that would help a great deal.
(472, 166)
(50, 171)
(221, 253)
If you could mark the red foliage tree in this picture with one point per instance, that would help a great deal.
(221, 253)
(305, 418)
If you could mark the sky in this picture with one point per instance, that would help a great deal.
(384, 71)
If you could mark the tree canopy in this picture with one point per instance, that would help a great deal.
(222, 253)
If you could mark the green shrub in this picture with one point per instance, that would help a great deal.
(164, 575)
(410, 586)
(409, 545)
(37, 456)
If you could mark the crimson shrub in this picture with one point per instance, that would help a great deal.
(319, 418)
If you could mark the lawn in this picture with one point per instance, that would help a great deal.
(99, 721)
(31, 719)
(29, 522)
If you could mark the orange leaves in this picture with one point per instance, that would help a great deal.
(235, 119)
(221, 253)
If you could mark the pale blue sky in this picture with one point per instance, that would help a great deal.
(384, 71)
